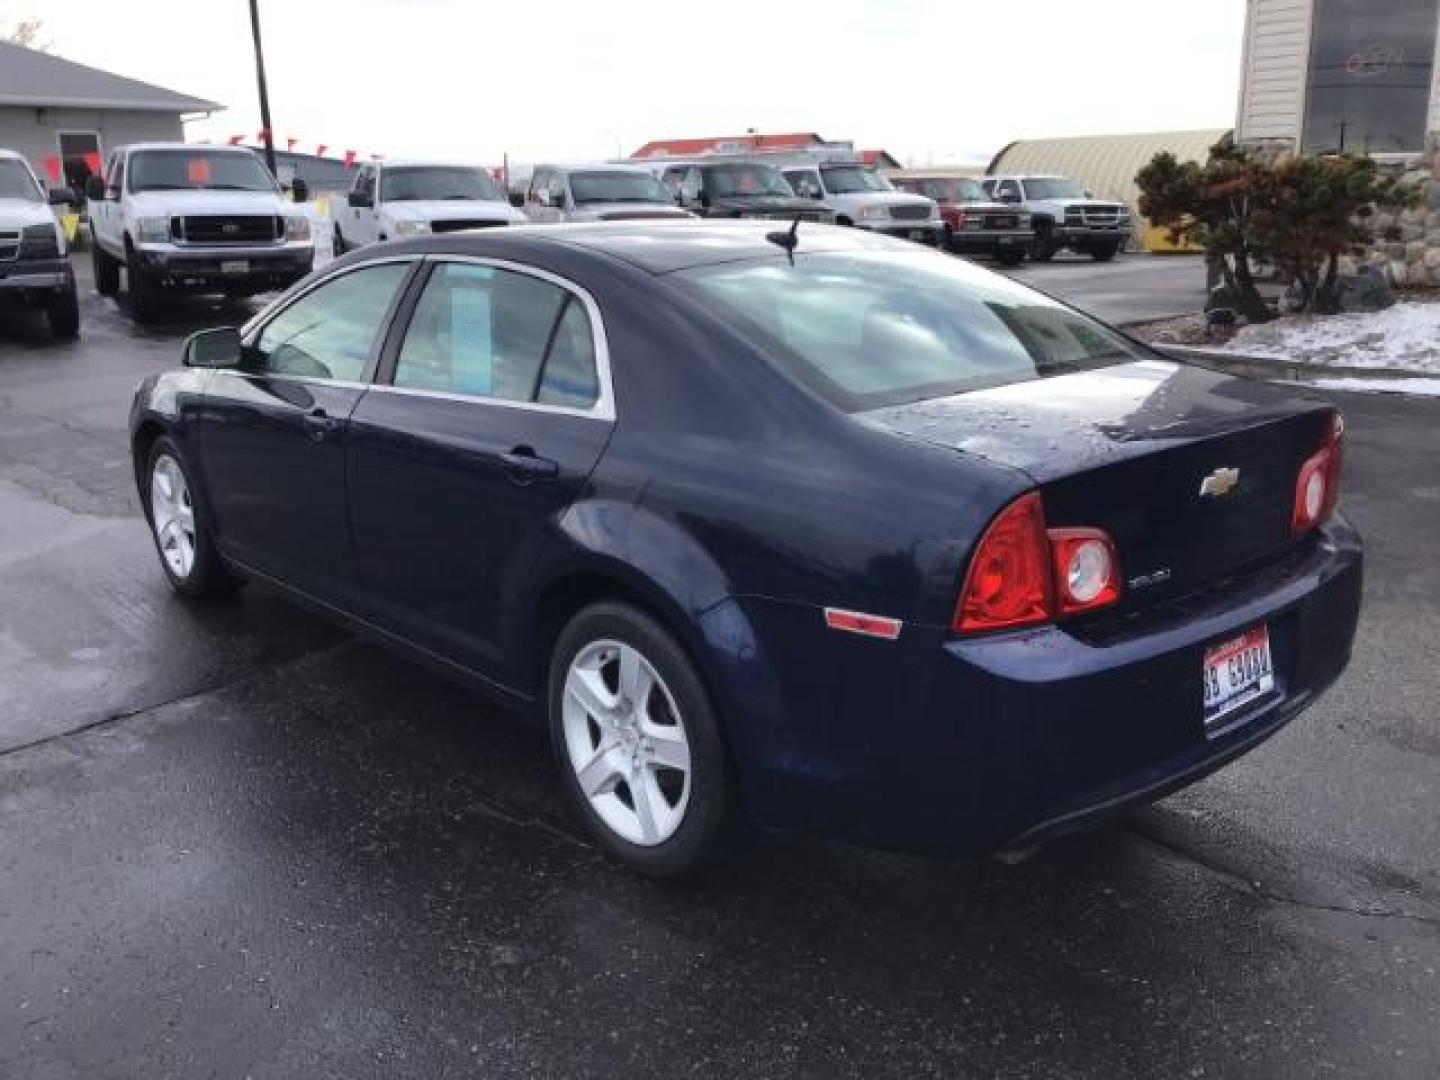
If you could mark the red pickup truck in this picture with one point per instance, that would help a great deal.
(973, 223)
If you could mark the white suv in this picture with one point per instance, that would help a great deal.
(185, 218)
(860, 196)
(1063, 214)
(34, 269)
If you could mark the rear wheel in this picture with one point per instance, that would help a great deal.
(637, 743)
(178, 522)
(107, 271)
(63, 314)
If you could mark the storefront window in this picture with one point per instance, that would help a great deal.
(1371, 63)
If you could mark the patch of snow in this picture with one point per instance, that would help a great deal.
(1424, 387)
(1405, 337)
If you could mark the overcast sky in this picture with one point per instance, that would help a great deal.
(929, 80)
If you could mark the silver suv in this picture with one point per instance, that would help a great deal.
(598, 193)
(1064, 215)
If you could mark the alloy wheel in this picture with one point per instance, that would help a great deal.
(626, 742)
(172, 515)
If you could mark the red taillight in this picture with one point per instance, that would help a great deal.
(1023, 574)
(1008, 584)
(1087, 571)
(1317, 489)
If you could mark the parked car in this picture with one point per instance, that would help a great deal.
(598, 193)
(392, 199)
(738, 189)
(858, 195)
(35, 270)
(183, 218)
(1064, 215)
(974, 225)
(873, 542)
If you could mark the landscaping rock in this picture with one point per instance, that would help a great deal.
(1366, 291)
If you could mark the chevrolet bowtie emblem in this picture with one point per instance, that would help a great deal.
(1220, 482)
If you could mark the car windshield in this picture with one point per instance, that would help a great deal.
(412, 183)
(875, 329)
(17, 183)
(197, 170)
(728, 180)
(849, 179)
(617, 185)
(1053, 187)
(948, 190)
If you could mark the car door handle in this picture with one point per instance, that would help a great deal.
(523, 465)
(318, 424)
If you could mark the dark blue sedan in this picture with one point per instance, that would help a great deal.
(801, 530)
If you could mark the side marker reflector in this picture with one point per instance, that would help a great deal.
(857, 622)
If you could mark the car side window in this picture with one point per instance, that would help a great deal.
(690, 185)
(485, 331)
(1008, 188)
(539, 179)
(328, 332)
(805, 182)
(116, 180)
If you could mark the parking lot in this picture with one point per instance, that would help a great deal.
(232, 834)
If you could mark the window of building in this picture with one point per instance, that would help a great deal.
(1371, 63)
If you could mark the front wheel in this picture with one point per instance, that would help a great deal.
(1010, 256)
(144, 291)
(1104, 252)
(63, 315)
(637, 743)
(182, 533)
(107, 271)
(1042, 248)
(337, 245)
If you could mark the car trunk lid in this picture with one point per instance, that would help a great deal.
(1191, 473)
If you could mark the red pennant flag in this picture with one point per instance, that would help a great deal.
(234, 140)
(349, 158)
(320, 150)
(92, 162)
(51, 165)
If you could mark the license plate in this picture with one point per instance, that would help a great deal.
(234, 266)
(1002, 223)
(918, 234)
(1236, 673)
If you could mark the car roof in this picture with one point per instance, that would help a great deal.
(655, 246)
(412, 163)
(596, 166)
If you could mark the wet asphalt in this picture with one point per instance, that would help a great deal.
(234, 842)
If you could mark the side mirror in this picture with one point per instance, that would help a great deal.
(517, 199)
(95, 187)
(360, 199)
(217, 348)
(62, 197)
(299, 190)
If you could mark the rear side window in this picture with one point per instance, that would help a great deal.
(488, 332)
(328, 332)
(875, 329)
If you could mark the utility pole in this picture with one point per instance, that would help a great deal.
(266, 132)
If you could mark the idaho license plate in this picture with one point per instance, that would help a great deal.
(234, 266)
(1237, 672)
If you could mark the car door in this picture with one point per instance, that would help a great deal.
(488, 416)
(273, 431)
(105, 212)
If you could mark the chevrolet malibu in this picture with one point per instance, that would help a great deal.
(781, 526)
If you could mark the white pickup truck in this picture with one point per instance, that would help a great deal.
(186, 218)
(860, 196)
(391, 199)
(34, 270)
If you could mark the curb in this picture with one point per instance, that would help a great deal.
(1267, 367)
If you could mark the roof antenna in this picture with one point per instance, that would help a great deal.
(788, 240)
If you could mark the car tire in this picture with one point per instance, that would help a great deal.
(107, 271)
(1010, 256)
(650, 778)
(144, 293)
(63, 315)
(180, 526)
(337, 245)
(1042, 248)
(1104, 252)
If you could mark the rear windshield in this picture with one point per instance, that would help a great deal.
(875, 329)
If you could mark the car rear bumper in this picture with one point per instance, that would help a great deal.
(275, 266)
(949, 746)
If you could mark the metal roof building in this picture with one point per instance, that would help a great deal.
(65, 116)
(1106, 164)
